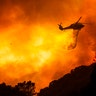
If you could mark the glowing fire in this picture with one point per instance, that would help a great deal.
(38, 48)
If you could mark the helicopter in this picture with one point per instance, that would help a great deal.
(74, 26)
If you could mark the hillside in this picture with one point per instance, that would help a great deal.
(79, 82)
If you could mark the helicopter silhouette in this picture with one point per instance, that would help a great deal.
(74, 26)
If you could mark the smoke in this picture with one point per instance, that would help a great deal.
(33, 48)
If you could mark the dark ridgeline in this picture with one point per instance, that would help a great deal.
(21, 89)
(79, 82)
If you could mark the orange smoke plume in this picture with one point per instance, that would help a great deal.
(33, 48)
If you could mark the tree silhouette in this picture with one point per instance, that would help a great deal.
(27, 88)
(21, 89)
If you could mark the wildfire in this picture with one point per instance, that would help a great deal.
(33, 48)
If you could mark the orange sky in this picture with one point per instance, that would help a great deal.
(33, 48)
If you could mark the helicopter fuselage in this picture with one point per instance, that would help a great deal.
(75, 26)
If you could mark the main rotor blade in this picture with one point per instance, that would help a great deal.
(78, 19)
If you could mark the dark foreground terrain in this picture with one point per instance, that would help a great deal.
(81, 81)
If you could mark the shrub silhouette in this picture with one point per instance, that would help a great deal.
(21, 89)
